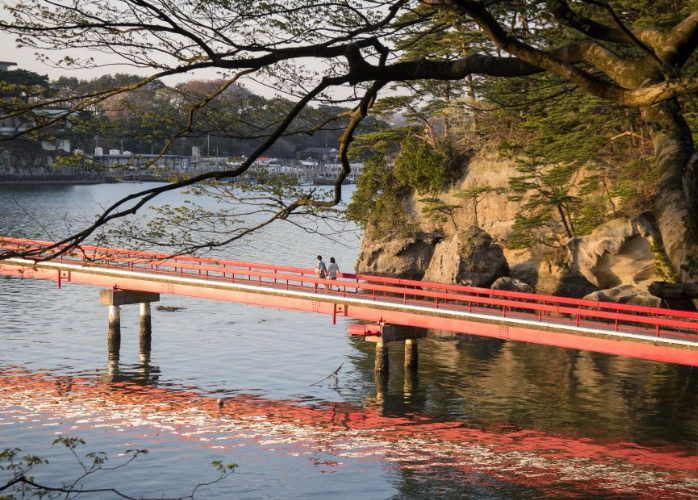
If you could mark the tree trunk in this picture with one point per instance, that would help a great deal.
(564, 221)
(675, 204)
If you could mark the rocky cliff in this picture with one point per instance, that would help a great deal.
(617, 261)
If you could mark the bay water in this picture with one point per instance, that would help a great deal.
(483, 418)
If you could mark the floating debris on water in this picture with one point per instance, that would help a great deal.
(169, 308)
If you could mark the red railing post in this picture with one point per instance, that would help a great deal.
(578, 315)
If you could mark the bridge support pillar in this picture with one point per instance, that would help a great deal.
(411, 355)
(382, 366)
(146, 323)
(115, 298)
(114, 328)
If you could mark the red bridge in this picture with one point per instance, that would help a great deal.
(642, 332)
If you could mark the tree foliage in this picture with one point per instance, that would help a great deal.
(18, 480)
(484, 55)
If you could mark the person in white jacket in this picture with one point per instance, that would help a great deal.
(332, 271)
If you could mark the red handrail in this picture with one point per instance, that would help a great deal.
(150, 256)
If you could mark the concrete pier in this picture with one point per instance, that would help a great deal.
(114, 327)
(382, 365)
(389, 333)
(146, 326)
(115, 298)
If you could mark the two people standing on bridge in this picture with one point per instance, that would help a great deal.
(322, 271)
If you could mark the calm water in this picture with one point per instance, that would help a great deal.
(483, 419)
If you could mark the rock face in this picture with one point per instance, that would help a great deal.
(626, 294)
(562, 281)
(512, 285)
(467, 258)
(616, 253)
(22, 156)
(397, 257)
(615, 262)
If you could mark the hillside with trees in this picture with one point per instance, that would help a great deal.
(145, 119)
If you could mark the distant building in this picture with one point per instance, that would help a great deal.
(5, 65)
(135, 161)
(320, 154)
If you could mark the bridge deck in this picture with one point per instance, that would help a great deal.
(645, 332)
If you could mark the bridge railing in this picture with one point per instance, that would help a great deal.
(532, 307)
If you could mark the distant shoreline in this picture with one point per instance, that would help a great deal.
(76, 179)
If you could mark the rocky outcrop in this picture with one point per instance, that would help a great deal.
(512, 285)
(616, 262)
(616, 253)
(562, 281)
(24, 157)
(674, 290)
(397, 256)
(626, 294)
(468, 258)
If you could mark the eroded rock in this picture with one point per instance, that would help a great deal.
(627, 294)
(397, 256)
(562, 282)
(469, 258)
(615, 253)
(512, 285)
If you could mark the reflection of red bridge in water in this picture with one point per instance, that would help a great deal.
(558, 463)
(642, 332)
